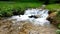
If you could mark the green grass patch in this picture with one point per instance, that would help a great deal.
(19, 7)
(7, 8)
(53, 6)
(10, 5)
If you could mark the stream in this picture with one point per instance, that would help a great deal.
(30, 15)
(34, 21)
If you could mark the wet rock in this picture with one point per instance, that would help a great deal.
(51, 16)
(33, 32)
(34, 29)
(24, 27)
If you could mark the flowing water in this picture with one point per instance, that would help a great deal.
(27, 23)
(41, 20)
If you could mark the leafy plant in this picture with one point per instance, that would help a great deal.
(57, 31)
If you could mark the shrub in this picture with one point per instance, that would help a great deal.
(16, 11)
(57, 31)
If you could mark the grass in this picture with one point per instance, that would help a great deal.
(7, 7)
(10, 5)
(53, 6)
(19, 7)
(23, 5)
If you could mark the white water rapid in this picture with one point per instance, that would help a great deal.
(41, 14)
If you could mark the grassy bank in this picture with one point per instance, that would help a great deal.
(7, 8)
(53, 6)
(12, 8)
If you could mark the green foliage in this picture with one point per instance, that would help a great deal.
(58, 25)
(58, 17)
(58, 14)
(45, 1)
(53, 6)
(9, 8)
(5, 13)
(58, 32)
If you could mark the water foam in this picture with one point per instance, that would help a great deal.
(41, 20)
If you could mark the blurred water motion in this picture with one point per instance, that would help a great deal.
(41, 20)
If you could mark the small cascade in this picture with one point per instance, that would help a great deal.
(31, 14)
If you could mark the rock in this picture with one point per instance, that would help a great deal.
(7, 27)
(51, 16)
(34, 29)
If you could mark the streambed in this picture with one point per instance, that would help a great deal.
(25, 25)
(8, 27)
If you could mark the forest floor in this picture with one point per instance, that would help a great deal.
(10, 27)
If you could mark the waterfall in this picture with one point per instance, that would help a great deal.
(41, 20)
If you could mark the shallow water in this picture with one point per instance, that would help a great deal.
(41, 20)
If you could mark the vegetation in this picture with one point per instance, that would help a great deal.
(45, 1)
(58, 32)
(8, 8)
(16, 8)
